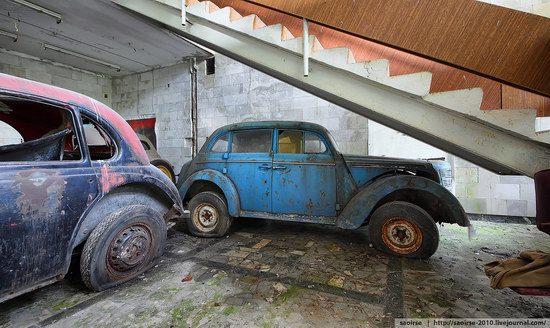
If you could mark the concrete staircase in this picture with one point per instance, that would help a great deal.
(503, 141)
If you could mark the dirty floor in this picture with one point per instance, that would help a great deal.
(271, 274)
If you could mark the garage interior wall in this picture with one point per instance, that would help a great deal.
(93, 85)
(164, 93)
(238, 93)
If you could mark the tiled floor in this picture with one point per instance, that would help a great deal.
(272, 274)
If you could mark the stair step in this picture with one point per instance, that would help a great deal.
(275, 34)
(374, 70)
(522, 121)
(296, 45)
(466, 101)
(339, 57)
(247, 24)
(416, 83)
(225, 15)
(199, 9)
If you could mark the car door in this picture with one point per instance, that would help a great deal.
(304, 179)
(249, 167)
(46, 183)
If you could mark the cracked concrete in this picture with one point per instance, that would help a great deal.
(273, 274)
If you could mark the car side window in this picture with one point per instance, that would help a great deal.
(313, 144)
(300, 142)
(100, 144)
(290, 142)
(145, 145)
(34, 131)
(221, 144)
(253, 141)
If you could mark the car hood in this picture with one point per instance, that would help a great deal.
(389, 162)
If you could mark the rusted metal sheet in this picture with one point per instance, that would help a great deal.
(508, 46)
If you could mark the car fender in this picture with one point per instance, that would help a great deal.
(362, 205)
(220, 180)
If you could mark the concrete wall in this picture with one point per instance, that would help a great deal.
(483, 192)
(165, 94)
(94, 85)
(238, 93)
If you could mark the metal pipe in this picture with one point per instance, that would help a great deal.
(194, 125)
(183, 13)
(306, 48)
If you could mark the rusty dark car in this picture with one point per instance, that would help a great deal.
(293, 171)
(74, 176)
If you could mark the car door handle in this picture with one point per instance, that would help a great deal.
(279, 167)
(265, 167)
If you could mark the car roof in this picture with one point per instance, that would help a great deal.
(272, 125)
(91, 106)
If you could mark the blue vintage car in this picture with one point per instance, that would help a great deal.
(293, 171)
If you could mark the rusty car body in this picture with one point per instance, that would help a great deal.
(293, 171)
(77, 179)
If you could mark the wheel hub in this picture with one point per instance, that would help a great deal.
(401, 235)
(208, 216)
(129, 248)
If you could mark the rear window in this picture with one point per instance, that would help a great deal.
(221, 144)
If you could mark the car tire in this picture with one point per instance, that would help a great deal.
(403, 229)
(208, 215)
(125, 244)
(166, 168)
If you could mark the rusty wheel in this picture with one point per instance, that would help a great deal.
(129, 248)
(404, 229)
(208, 215)
(205, 217)
(125, 244)
(401, 235)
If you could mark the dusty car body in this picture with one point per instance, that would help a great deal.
(79, 179)
(154, 157)
(293, 171)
